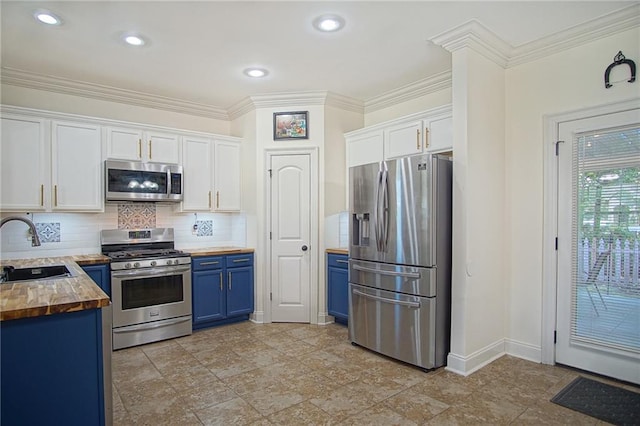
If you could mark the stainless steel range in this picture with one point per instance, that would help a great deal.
(150, 285)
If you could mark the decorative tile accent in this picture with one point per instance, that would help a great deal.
(48, 232)
(136, 216)
(205, 228)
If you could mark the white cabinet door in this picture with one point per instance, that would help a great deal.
(25, 164)
(162, 148)
(364, 148)
(124, 144)
(196, 156)
(138, 145)
(403, 139)
(227, 172)
(440, 136)
(76, 172)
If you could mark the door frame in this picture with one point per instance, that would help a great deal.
(314, 242)
(550, 216)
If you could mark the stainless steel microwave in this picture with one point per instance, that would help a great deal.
(137, 181)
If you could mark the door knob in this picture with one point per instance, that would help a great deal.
(305, 248)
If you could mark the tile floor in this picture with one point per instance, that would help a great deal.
(299, 374)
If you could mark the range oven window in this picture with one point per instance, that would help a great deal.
(153, 291)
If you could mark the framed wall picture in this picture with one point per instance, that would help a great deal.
(290, 125)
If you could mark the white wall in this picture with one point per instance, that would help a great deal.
(70, 104)
(563, 82)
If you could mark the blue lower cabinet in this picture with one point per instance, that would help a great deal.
(208, 296)
(52, 370)
(223, 288)
(101, 275)
(338, 287)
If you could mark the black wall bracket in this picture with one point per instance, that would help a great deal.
(618, 60)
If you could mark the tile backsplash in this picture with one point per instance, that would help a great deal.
(66, 234)
(48, 232)
(136, 216)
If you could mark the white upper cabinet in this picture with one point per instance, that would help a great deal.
(212, 173)
(196, 164)
(24, 158)
(440, 135)
(364, 147)
(76, 172)
(140, 145)
(226, 172)
(50, 165)
(403, 139)
(428, 131)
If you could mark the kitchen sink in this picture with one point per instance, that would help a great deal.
(11, 274)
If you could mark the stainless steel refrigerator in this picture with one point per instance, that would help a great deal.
(400, 258)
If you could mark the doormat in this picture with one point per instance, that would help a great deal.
(600, 400)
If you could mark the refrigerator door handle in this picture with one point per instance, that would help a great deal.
(388, 273)
(376, 219)
(384, 225)
(384, 299)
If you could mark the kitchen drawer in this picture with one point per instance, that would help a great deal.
(207, 263)
(237, 260)
(338, 260)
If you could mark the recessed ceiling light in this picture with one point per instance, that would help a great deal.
(134, 39)
(47, 17)
(256, 72)
(328, 23)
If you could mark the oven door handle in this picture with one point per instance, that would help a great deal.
(150, 272)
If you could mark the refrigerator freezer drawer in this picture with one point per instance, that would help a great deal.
(393, 324)
(412, 280)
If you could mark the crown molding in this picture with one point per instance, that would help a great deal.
(474, 35)
(345, 103)
(241, 108)
(479, 38)
(604, 26)
(408, 92)
(48, 83)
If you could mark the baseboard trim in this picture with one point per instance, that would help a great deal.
(465, 365)
(257, 317)
(523, 350)
(324, 319)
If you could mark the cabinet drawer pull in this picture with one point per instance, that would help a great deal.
(209, 263)
(426, 138)
(55, 195)
(217, 199)
(229, 277)
(150, 150)
(418, 139)
(41, 195)
(240, 260)
(139, 148)
(220, 280)
(209, 199)
(341, 261)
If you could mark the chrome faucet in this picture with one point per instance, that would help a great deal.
(35, 240)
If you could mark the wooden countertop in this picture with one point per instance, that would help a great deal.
(24, 299)
(337, 250)
(213, 251)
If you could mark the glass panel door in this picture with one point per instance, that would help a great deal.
(599, 245)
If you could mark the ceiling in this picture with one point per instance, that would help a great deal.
(198, 50)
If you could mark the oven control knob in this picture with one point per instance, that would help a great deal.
(154, 263)
(127, 265)
(169, 262)
(136, 265)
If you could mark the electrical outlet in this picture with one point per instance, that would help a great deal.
(194, 229)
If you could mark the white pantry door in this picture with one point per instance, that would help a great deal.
(598, 289)
(290, 232)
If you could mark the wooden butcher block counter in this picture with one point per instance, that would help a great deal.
(34, 298)
(214, 251)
